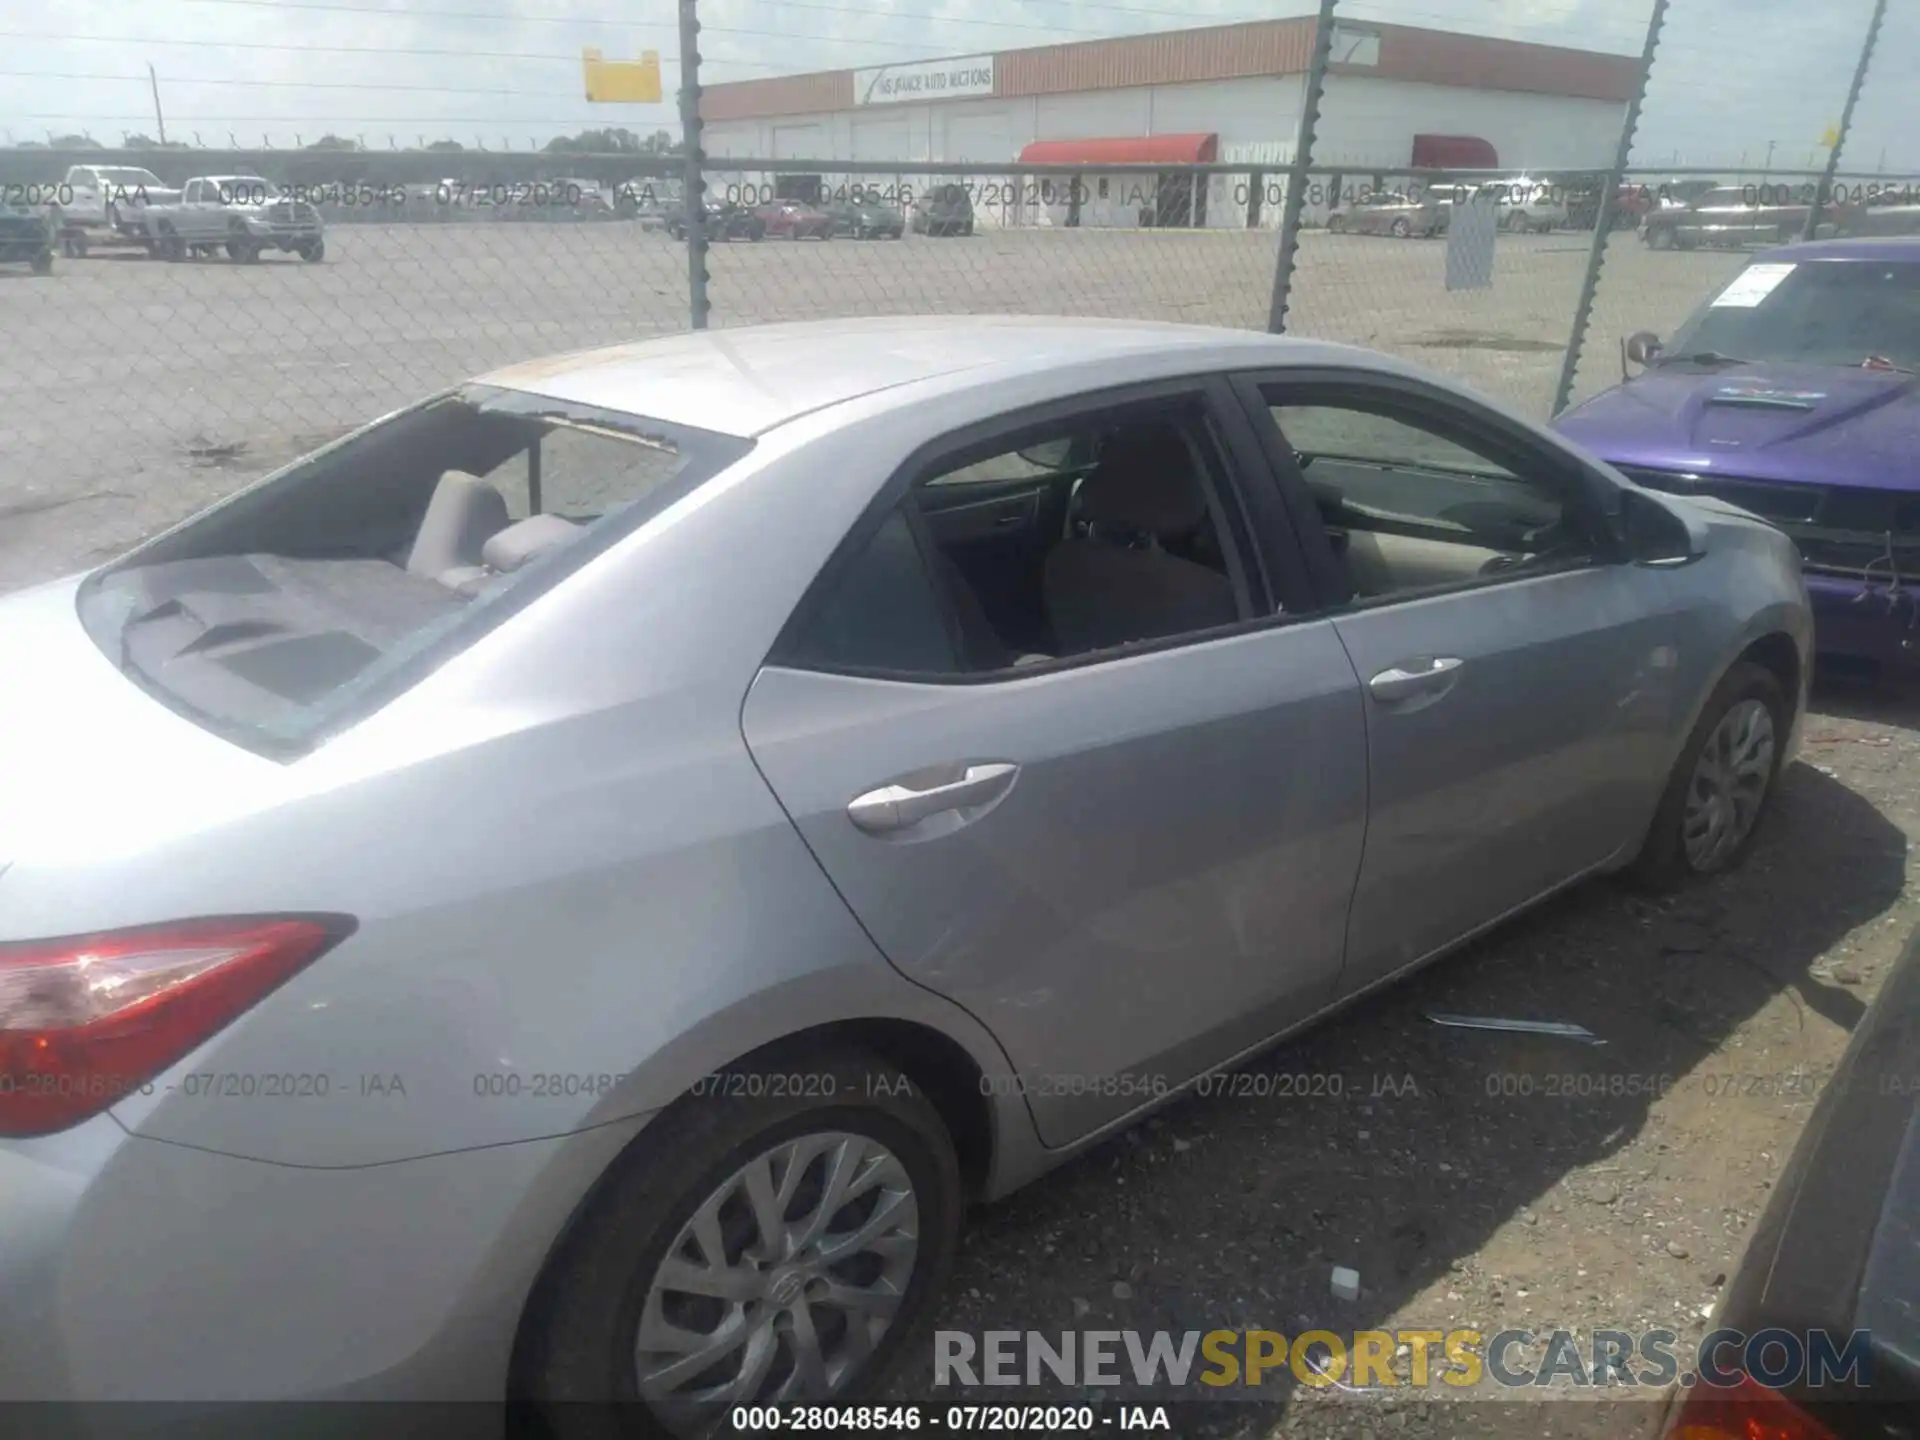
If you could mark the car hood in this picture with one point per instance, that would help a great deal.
(90, 762)
(1811, 423)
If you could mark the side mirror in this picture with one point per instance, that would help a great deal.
(1048, 454)
(1652, 534)
(1643, 347)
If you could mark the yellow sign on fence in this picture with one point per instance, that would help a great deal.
(622, 82)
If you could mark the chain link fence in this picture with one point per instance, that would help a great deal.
(210, 314)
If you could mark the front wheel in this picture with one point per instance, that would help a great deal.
(313, 251)
(1401, 229)
(1660, 237)
(1722, 783)
(790, 1252)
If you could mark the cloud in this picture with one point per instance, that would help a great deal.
(1731, 76)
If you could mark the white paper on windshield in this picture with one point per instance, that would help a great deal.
(1753, 285)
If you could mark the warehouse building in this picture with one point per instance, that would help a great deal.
(1396, 97)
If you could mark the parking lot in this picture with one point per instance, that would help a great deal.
(1472, 1179)
(142, 389)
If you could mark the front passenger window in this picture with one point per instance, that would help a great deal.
(1408, 507)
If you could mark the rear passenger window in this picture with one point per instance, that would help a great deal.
(881, 613)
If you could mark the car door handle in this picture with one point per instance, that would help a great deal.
(895, 807)
(1414, 677)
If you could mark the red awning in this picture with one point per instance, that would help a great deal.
(1453, 152)
(1137, 150)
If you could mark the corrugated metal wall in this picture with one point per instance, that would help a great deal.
(1220, 53)
(1268, 47)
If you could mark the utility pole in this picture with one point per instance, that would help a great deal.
(1846, 119)
(158, 119)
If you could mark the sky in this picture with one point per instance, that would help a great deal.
(1732, 77)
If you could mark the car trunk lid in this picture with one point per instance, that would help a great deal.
(87, 758)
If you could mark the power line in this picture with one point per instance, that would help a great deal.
(278, 84)
(863, 11)
(461, 54)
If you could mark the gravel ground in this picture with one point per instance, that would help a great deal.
(1472, 1179)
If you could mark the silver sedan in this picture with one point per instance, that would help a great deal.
(569, 890)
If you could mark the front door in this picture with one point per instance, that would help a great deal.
(1129, 853)
(1516, 682)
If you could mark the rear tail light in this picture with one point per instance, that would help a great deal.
(85, 1022)
(1747, 1410)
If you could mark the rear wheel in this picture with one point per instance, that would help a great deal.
(170, 246)
(42, 264)
(790, 1252)
(1722, 783)
(1337, 224)
(1660, 237)
(313, 251)
(1401, 229)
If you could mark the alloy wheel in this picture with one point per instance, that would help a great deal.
(782, 1284)
(1728, 786)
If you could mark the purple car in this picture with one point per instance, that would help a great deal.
(1792, 393)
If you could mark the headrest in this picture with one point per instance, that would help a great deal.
(1145, 481)
(525, 541)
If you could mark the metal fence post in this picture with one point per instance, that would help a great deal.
(693, 185)
(1846, 120)
(1297, 173)
(1603, 216)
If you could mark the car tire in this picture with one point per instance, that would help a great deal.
(1660, 237)
(42, 264)
(1336, 224)
(584, 1324)
(170, 247)
(313, 251)
(1675, 852)
(1401, 229)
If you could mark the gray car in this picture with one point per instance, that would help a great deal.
(569, 890)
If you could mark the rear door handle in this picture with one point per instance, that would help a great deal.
(1425, 676)
(895, 807)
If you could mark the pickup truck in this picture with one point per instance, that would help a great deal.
(108, 199)
(25, 239)
(244, 214)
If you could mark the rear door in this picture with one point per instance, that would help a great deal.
(1132, 860)
(1517, 680)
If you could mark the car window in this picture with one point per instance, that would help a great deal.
(340, 572)
(882, 613)
(1009, 466)
(1410, 505)
(1828, 312)
(1118, 542)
